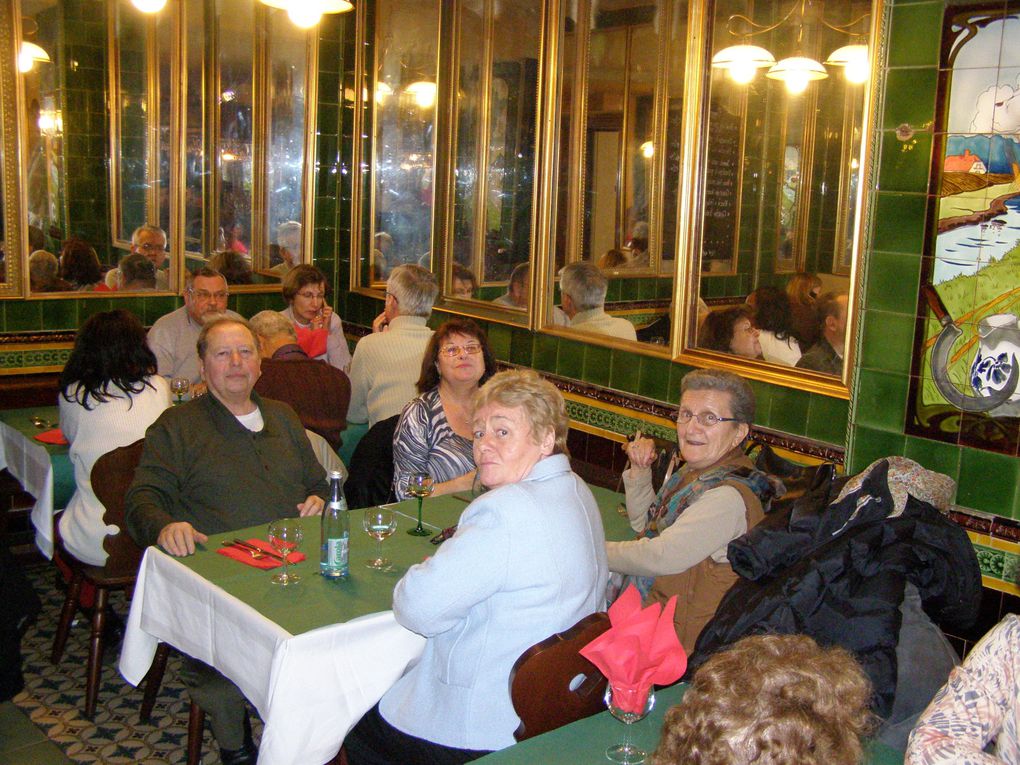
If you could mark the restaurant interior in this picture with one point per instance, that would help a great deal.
(721, 145)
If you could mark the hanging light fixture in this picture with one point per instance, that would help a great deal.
(29, 54)
(423, 92)
(797, 71)
(308, 13)
(149, 6)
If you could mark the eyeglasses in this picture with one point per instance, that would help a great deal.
(203, 295)
(151, 247)
(312, 295)
(705, 419)
(453, 351)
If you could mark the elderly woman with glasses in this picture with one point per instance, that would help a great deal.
(713, 499)
(320, 332)
(434, 432)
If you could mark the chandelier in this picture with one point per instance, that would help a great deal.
(797, 71)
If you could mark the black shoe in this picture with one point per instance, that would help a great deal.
(248, 754)
(113, 630)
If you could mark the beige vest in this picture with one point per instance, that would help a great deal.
(700, 588)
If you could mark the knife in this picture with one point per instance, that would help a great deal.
(249, 546)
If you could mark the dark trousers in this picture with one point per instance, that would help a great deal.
(373, 741)
(224, 705)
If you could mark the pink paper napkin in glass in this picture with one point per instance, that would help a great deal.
(639, 650)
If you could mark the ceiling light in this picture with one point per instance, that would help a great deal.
(424, 93)
(307, 13)
(29, 54)
(854, 60)
(742, 62)
(149, 6)
(796, 72)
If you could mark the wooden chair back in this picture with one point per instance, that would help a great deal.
(552, 685)
(111, 477)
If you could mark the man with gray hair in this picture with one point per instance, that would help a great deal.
(150, 241)
(288, 239)
(386, 364)
(583, 288)
(318, 392)
(173, 336)
(135, 273)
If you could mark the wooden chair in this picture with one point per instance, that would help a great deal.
(111, 476)
(552, 685)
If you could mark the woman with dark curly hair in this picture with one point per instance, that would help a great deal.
(772, 317)
(730, 331)
(771, 700)
(79, 265)
(110, 394)
(434, 431)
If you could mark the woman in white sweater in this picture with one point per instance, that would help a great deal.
(110, 394)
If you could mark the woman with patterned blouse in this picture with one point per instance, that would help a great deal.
(980, 703)
(434, 431)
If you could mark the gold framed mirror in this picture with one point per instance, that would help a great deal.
(10, 213)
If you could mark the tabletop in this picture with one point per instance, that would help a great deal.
(587, 740)
(44, 470)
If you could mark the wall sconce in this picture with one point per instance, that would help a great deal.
(307, 13)
(743, 61)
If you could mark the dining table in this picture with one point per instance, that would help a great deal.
(586, 741)
(43, 470)
(311, 657)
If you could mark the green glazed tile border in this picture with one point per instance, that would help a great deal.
(31, 359)
(993, 562)
(615, 422)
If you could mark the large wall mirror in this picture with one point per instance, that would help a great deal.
(786, 92)
(196, 119)
(10, 224)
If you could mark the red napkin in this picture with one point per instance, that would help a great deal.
(639, 650)
(266, 562)
(54, 436)
(312, 341)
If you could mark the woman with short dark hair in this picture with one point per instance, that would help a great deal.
(320, 331)
(434, 432)
(79, 265)
(110, 394)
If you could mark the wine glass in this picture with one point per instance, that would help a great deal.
(419, 485)
(179, 386)
(628, 705)
(286, 535)
(379, 523)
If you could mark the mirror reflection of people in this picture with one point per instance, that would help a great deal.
(638, 245)
(382, 257)
(320, 331)
(518, 292)
(826, 355)
(776, 699)
(135, 273)
(464, 281)
(583, 289)
(434, 432)
(716, 497)
(44, 273)
(772, 318)
(234, 266)
(79, 265)
(803, 290)
(613, 258)
(150, 241)
(730, 331)
(495, 588)
(232, 233)
(288, 240)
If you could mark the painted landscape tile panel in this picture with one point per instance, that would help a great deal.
(964, 385)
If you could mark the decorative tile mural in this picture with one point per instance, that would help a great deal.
(964, 380)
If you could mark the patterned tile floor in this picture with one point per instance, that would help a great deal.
(54, 697)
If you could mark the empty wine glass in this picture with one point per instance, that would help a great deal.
(286, 535)
(379, 523)
(179, 386)
(419, 485)
(628, 705)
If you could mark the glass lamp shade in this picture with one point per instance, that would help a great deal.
(796, 72)
(149, 6)
(854, 60)
(29, 54)
(302, 11)
(423, 92)
(742, 62)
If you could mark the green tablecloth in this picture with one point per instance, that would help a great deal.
(63, 472)
(316, 602)
(586, 740)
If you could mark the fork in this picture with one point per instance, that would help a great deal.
(255, 553)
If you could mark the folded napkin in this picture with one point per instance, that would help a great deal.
(312, 341)
(266, 562)
(639, 650)
(54, 436)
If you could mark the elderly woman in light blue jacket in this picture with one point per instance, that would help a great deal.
(528, 560)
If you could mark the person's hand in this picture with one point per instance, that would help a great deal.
(641, 452)
(311, 506)
(179, 538)
(321, 320)
(380, 323)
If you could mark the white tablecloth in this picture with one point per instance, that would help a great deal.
(309, 689)
(29, 462)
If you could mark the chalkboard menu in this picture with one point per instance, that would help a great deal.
(720, 226)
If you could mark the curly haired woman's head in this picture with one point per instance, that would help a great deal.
(771, 700)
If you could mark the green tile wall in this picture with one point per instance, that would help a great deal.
(892, 267)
